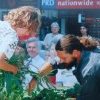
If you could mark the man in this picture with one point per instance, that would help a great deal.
(87, 66)
(35, 61)
(19, 21)
(48, 41)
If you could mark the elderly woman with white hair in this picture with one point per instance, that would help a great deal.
(50, 37)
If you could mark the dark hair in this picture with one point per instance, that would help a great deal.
(70, 42)
(83, 26)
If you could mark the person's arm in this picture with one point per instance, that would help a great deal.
(47, 68)
(5, 66)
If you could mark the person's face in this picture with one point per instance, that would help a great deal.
(32, 49)
(83, 30)
(55, 30)
(69, 59)
(65, 57)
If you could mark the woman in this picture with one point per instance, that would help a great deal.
(19, 21)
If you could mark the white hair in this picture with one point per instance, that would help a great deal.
(34, 40)
(55, 24)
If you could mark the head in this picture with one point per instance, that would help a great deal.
(83, 31)
(25, 19)
(33, 47)
(55, 28)
(69, 49)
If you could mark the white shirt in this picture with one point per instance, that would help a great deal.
(8, 39)
(50, 38)
(65, 77)
(35, 64)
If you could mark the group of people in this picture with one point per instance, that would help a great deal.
(70, 51)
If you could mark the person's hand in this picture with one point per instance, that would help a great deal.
(14, 70)
(32, 85)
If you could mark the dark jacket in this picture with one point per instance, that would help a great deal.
(87, 73)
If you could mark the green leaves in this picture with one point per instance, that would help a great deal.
(73, 92)
(49, 94)
(13, 89)
(57, 94)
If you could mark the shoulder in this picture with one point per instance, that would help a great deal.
(92, 54)
(49, 34)
(90, 59)
(95, 61)
(95, 55)
(39, 58)
(7, 30)
(5, 25)
(97, 50)
(59, 36)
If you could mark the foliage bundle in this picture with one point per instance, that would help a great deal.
(11, 85)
